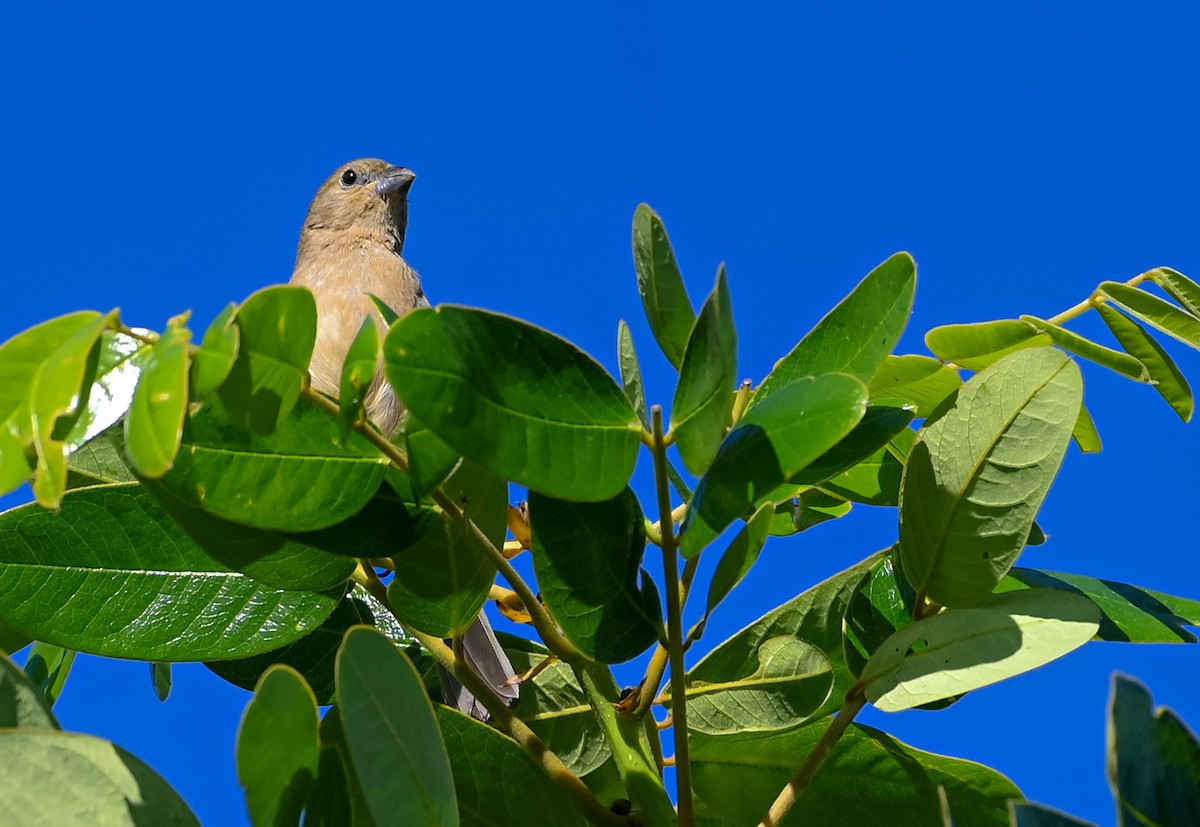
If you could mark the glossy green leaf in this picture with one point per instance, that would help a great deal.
(814, 616)
(631, 373)
(738, 558)
(701, 411)
(964, 649)
(393, 739)
(881, 604)
(358, 371)
(154, 424)
(302, 477)
(56, 779)
(1127, 613)
(792, 681)
(1030, 814)
(16, 460)
(806, 509)
(112, 574)
(313, 655)
(870, 778)
(22, 703)
(1152, 310)
(57, 398)
(773, 442)
(1166, 376)
(160, 679)
(1085, 434)
(277, 328)
(48, 666)
(879, 425)
(1180, 287)
(217, 352)
(278, 748)
(588, 558)
(977, 476)
(1072, 342)
(1153, 760)
(442, 580)
(118, 368)
(22, 356)
(980, 344)
(430, 460)
(668, 309)
(918, 380)
(516, 399)
(855, 336)
(497, 783)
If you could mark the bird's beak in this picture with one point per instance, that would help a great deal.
(395, 181)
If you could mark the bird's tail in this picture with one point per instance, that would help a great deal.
(485, 657)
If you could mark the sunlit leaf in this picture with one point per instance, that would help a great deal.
(668, 309)
(631, 372)
(855, 336)
(430, 460)
(1085, 434)
(358, 371)
(1180, 287)
(1152, 310)
(964, 649)
(154, 424)
(977, 476)
(516, 399)
(48, 666)
(1166, 376)
(1072, 342)
(701, 411)
(1030, 814)
(22, 704)
(738, 558)
(216, 354)
(977, 345)
(918, 380)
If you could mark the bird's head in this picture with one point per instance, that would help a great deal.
(367, 197)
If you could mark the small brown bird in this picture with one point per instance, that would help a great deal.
(351, 247)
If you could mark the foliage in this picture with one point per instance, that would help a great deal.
(200, 502)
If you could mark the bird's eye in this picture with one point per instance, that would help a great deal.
(349, 177)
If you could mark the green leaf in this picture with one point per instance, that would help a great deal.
(879, 425)
(396, 750)
(111, 574)
(57, 398)
(808, 508)
(668, 309)
(442, 580)
(358, 372)
(1085, 434)
(516, 399)
(313, 655)
(881, 604)
(154, 424)
(276, 560)
(1180, 287)
(1114, 360)
(1029, 814)
(792, 681)
(118, 367)
(702, 407)
(1165, 375)
(101, 460)
(302, 477)
(870, 778)
(588, 557)
(508, 798)
(22, 704)
(389, 315)
(217, 352)
(976, 346)
(52, 779)
(918, 380)
(277, 327)
(773, 442)
(857, 335)
(1128, 613)
(336, 798)
(430, 460)
(48, 666)
(631, 372)
(12, 640)
(959, 650)
(738, 558)
(1153, 760)
(278, 748)
(160, 679)
(1152, 310)
(814, 616)
(875, 480)
(977, 476)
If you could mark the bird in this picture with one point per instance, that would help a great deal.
(351, 247)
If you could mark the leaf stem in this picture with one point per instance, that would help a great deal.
(855, 701)
(1093, 300)
(683, 768)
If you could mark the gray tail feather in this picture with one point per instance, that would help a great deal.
(486, 659)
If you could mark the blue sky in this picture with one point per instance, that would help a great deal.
(162, 158)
